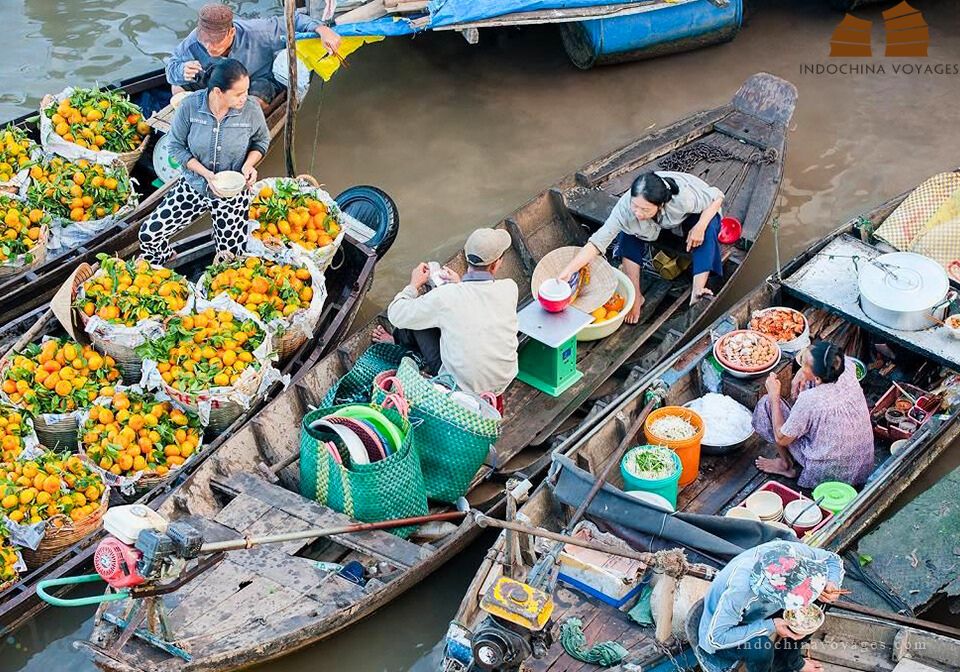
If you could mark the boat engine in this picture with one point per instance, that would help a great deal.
(515, 628)
(143, 547)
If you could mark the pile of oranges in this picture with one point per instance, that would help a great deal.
(136, 433)
(263, 287)
(97, 120)
(52, 485)
(21, 227)
(610, 309)
(204, 350)
(8, 559)
(58, 376)
(13, 427)
(15, 150)
(289, 215)
(126, 292)
(80, 191)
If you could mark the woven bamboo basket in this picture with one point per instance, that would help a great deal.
(39, 253)
(60, 435)
(130, 158)
(58, 539)
(289, 342)
(126, 358)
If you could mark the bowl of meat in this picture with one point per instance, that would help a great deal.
(746, 353)
(788, 327)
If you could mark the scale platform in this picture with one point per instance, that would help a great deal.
(548, 361)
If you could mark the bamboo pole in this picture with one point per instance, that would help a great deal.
(290, 8)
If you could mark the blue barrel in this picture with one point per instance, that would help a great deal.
(672, 29)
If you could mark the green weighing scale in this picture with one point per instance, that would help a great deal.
(548, 360)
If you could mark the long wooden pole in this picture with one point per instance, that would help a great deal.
(290, 8)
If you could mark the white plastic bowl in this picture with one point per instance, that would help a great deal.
(651, 498)
(743, 513)
(597, 330)
(229, 183)
(767, 505)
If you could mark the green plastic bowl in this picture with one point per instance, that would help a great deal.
(378, 420)
(836, 495)
(859, 369)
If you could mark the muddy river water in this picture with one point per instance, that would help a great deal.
(461, 135)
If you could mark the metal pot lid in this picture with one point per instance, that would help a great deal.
(903, 282)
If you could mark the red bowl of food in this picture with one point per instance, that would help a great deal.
(730, 230)
(746, 352)
(554, 295)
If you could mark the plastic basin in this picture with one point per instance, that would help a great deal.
(597, 330)
(665, 487)
(687, 449)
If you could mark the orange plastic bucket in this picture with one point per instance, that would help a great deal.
(688, 450)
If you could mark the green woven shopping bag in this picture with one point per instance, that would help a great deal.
(385, 490)
(354, 386)
(453, 442)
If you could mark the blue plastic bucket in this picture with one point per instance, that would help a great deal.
(665, 487)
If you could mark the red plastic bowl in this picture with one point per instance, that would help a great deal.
(555, 297)
(730, 230)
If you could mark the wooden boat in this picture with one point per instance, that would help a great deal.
(287, 602)
(21, 293)
(728, 477)
(346, 288)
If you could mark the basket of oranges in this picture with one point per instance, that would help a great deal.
(285, 290)
(53, 381)
(141, 438)
(101, 126)
(17, 152)
(51, 502)
(17, 436)
(82, 197)
(124, 303)
(297, 212)
(24, 233)
(212, 362)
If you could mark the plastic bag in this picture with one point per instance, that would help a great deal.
(281, 70)
(66, 234)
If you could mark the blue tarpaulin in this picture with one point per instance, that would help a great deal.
(451, 12)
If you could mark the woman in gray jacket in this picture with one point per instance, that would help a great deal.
(216, 129)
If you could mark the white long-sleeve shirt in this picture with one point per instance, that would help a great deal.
(478, 329)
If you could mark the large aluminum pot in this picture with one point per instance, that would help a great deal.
(902, 290)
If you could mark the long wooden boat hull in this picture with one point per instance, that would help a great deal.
(346, 288)
(726, 480)
(240, 626)
(21, 293)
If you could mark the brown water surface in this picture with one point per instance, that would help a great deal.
(461, 135)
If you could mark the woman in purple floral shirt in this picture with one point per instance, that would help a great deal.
(827, 434)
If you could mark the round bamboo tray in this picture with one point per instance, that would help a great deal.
(39, 253)
(58, 539)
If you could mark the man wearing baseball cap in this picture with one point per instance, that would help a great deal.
(466, 327)
(253, 42)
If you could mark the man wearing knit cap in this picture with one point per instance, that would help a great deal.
(466, 327)
(253, 42)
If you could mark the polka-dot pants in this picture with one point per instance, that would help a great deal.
(180, 207)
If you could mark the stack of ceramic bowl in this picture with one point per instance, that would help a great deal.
(767, 505)
(742, 513)
(802, 515)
